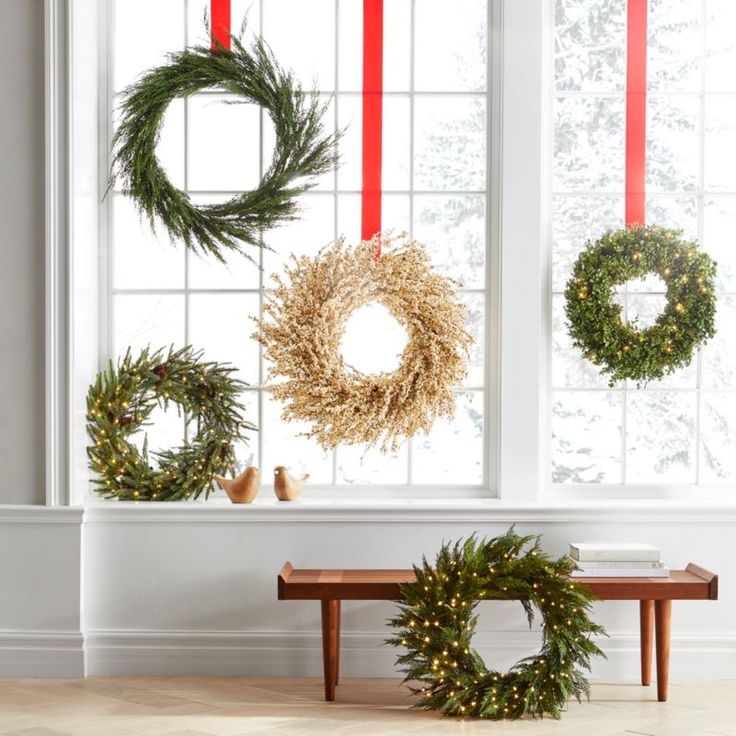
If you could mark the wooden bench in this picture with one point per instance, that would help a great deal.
(655, 596)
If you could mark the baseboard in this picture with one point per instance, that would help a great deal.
(282, 653)
(41, 654)
(117, 653)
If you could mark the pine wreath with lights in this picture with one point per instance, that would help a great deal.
(437, 620)
(122, 399)
(596, 322)
(302, 151)
(303, 323)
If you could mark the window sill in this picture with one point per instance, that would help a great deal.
(414, 511)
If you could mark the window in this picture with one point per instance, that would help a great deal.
(435, 187)
(682, 430)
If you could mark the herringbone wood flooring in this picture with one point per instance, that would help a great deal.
(222, 706)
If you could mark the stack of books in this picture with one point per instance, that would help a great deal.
(611, 560)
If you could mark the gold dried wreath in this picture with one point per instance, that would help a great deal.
(302, 338)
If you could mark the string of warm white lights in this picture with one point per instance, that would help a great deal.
(438, 619)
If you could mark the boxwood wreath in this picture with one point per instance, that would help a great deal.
(303, 322)
(301, 152)
(437, 621)
(122, 399)
(596, 323)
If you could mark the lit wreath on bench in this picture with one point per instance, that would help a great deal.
(437, 622)
(596, 323)
(303, 323)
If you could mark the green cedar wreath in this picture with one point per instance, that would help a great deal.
(438, 619)
(122, 399)
(301, 151)
(596, 322)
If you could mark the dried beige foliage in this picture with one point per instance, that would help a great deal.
(301, 328)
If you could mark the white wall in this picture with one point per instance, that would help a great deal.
(193, 589)
(40, 592)
(22, 251)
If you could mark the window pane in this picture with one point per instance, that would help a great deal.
(588, 144)
(140, 46)
(164, 431)
(586, 436)
(660, 437)
(476, 324)
(223, 147)
(673, 143)
(590, 43)
(396, 45)
(452, 453)
(720, 150)
(284, 445)
(450, 46)
(144, 320)
(718, 429)
(221, 325)
(302, 36)
(719, 353)
(680, 213)
(396, 146)
(314, 229)
(576, 219)
(674, 45)
(453, 229)
(355, 466)
(721, 44)
(236, 273)
(394, 209)
(143, 259)
(718, 239)
(450, 143)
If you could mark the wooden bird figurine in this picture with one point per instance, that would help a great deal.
(285, 485)
(242, 489)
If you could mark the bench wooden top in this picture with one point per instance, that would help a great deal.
(693, 583)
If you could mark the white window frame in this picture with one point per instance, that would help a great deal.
(518, 317)
(409, 490)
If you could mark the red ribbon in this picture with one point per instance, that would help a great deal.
(220, 16)
(372, 119)
(636, 111)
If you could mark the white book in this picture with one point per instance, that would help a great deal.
(604, 564)
(622, 572)
(613, 552)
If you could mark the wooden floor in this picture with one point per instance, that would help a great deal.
(167, 706)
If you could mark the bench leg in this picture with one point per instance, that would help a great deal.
(330, 639)
(662, 621)
(338, 617)
(646, 626)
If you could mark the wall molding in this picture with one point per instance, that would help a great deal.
(41, 654)
(28, 514)
(286, 653)
(420, 511)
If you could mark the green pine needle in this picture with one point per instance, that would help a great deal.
(120, 402)
(596, 322)
(302, 150)
(437, 620)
